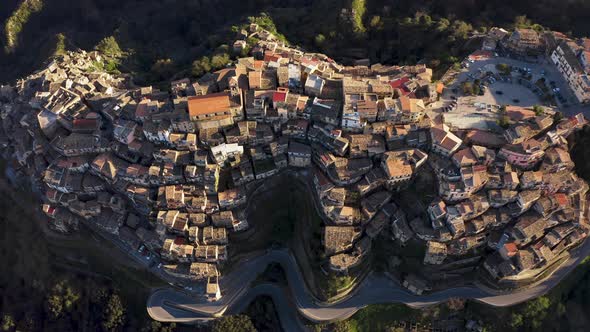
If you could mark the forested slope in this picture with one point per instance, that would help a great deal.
(177, 32)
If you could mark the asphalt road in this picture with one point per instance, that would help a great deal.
(170, 305)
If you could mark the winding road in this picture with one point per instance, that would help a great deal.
(171, 305)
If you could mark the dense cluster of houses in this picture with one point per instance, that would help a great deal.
(168, 170)
(522, 195)
(570, 57)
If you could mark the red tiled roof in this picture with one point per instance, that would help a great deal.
(561, 199)
(279, 96)
(405, 104)
(84, 124)
(511, 248)
(464, 156)
(258, 64)
(207, 104)
(399, 83)
(480, 55)
(271, 57)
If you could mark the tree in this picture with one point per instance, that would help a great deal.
(376, 23)
(460, 29)
(358, 11)
(503, 68)
(60, 44)
(219, 61)
(516, 320)
(108, 46)
(476, 88)
(442, 24)
(55, 306)
(7, 322)
(62, 299)
(538, 110)
(522, 22)
(503, 121)
(201, 66)
(114, 313)
(425, 20)
(155, 326)
(319, 40)
(342, 326)
(536, 311)
(237, 323)
(467, 88)
(19, 18)
(335, 283)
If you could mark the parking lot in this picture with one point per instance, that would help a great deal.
(503, 93)
(481, 111)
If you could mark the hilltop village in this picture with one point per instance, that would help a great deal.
(166, 174)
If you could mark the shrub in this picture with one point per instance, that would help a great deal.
(109, 47)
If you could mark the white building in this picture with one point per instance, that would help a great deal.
(294, 76)
(572, 71)
(352, 122)
(224, 151)
(314, 85)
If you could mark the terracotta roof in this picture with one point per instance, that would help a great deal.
(561, 199)
(438, 134)
(84, 124)
(255, 79)
(464, 156)
(511, 248)
(207, 104)
(398, 167)
(271, 58)
(279, 96)
(258, 64)
(480, 55)
(399, 84)
(450, 142)
(405, 103)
